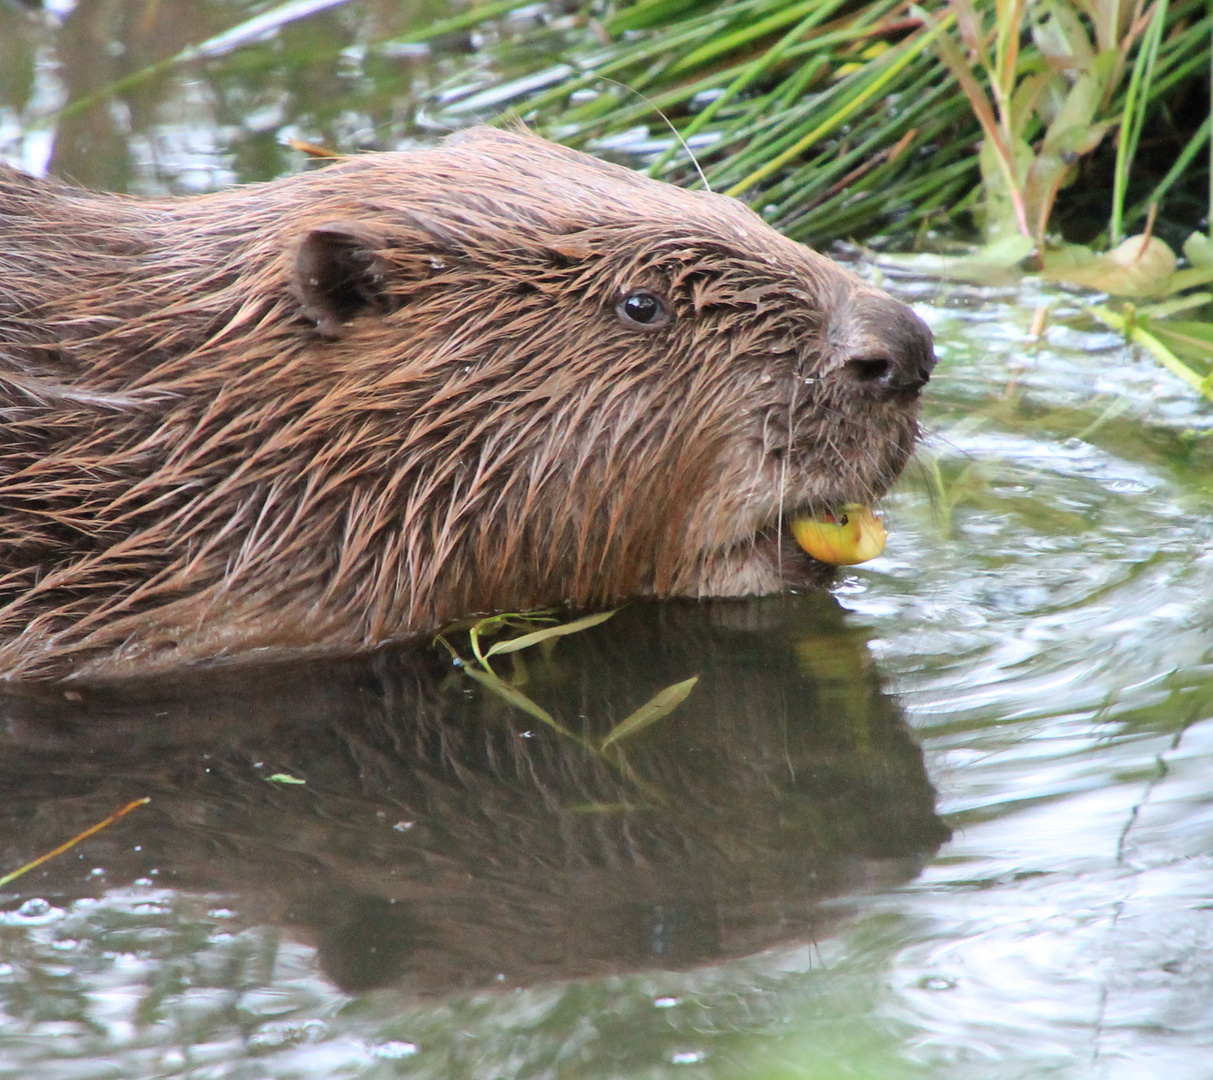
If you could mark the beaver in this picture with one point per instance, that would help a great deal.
(354, 405)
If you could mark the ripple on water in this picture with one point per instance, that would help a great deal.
(1048, 615)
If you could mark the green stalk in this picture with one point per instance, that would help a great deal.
(749, 73)
(1133, 331)
(1133, 118)
(1186, 156)
(911, 50)
(813, 11)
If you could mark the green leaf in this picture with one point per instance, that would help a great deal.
(990, 264)
(1006, 253)
(661, 704)
(1198, 249)
(1169, 308)
(1196, 331)
(1061, 37)
(535, 637)
(515, 697)
(1189, 278)
(1139, 266)
(284, 778)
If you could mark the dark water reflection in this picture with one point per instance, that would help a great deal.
(165, 96)
(741, 895)
(444, 841)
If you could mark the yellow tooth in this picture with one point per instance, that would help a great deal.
(853, 535)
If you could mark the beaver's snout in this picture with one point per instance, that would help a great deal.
(891, 351)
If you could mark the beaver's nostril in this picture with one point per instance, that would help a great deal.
(869, 369)
(893, 352)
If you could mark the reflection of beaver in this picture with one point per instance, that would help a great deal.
(353, 405)
(445, 840)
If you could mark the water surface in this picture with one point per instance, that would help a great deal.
(952, 821)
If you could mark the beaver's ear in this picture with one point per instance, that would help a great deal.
(340, 273)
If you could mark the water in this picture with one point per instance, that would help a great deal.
(953, 822)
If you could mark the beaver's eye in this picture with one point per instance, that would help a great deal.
(643, 308)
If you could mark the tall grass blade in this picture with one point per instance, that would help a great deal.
(1137, 102)
(881, 73)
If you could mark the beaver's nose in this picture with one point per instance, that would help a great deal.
(893, 353)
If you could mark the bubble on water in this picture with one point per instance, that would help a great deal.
(936, 982)
(666, 1002)
(279, 1034)
(395, 1049)
(688, 1057)
(34, 912)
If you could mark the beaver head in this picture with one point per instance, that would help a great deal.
(353, 405)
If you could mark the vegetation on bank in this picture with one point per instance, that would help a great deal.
(1070, 137)
(1067, 138)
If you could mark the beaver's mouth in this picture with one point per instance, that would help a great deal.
(853, 533)
(775, 557)
(789, 563)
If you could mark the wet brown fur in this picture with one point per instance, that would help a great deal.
(353, 405)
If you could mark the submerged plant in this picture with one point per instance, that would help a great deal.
(479, 669)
